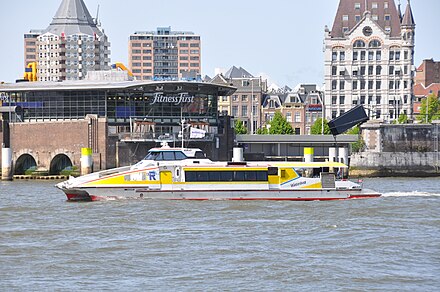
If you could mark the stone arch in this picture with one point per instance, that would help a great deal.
(23, 163)
(59, 163)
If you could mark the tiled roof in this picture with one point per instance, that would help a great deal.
(421, 90)
(353, 8)
(408, 18)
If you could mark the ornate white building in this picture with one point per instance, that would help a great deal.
(369, 59)
(73, 44)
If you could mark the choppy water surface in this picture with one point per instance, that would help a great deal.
(390, 243)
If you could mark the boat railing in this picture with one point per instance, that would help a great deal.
(159, 137)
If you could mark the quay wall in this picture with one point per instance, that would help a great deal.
(44, 141)
(398, 150)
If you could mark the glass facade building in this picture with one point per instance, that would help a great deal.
(159, 102)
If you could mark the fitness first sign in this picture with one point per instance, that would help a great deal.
(180, 98)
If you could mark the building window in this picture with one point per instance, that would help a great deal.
(359, 44)
(355, 85)
(289, 117)
(362, 84)
(397, 55)
(378, 84)
(342, 56)
(363, 53)
(375, 17)
(385, 5)
(341, 84)
(344, 17)
(378, 100)
(357, 5)
(297, 117)
(370, 70)
(334, 56)
(244, 110)
(357, 18)
(334, 69)
(245, 83)
(224, 98)
(370, 84)
(334, 84)
(405, 55)
(387, 17)
(234, 110)
(370, 55)
(378, 55)
(391, 55)
(355, 56)
(334, 99)
(378, 70)
(391, 70)
(374, 5)
(362, 71)
(391, 85)
(235, 97)
(342, 99)
(244, 97)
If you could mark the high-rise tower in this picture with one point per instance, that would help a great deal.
(73, 44)
(369, 58)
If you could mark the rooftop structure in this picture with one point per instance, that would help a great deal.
(73, 44)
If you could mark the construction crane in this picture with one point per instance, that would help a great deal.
(123, 68)
(30, 72)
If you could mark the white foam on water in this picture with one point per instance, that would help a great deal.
(410, 194)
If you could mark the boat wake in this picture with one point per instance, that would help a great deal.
(410, 194)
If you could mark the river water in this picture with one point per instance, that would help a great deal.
(391, 243)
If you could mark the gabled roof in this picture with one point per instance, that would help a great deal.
(349, 8)
(72, 17)
(408, 18)
(234, 73)
(421, 90)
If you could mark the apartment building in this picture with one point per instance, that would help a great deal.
(164, 55)
(369, 59)
(73, 44)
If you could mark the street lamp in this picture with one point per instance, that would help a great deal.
(252, 106)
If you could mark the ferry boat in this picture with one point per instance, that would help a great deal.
(186, 174)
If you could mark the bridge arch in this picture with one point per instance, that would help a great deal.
(59, 163)
(23, 163)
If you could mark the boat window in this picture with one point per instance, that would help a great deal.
(180, 155)
(159, 156)
(272, 171)
(199, 154)
(152, 156)
(168, 155)
(226, 176)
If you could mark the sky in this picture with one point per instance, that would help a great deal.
(279, 39)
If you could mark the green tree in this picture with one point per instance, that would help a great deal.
(317, 126)
(240, 128)
(280, 126)
(262, 131)
(429, 109)
(359, 145)
(403, 119)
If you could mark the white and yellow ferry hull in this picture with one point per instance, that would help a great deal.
(96, 194)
